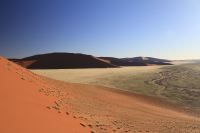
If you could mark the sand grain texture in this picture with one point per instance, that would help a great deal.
(107, 110)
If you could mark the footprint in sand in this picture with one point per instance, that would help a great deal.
(82, 124)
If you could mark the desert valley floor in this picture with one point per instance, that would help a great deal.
(177, 84)
(121, 100)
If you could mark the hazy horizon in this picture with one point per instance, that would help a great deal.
(167, 29)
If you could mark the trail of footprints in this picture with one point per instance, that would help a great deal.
(97, 126)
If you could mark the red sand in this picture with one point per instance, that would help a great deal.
(24, 109)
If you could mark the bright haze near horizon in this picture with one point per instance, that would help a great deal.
(167, 29)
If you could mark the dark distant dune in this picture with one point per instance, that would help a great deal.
(62, 61)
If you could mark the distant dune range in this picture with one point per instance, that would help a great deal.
(35, 104)
(122, 62)
(71, 60)
(148, 61)
(137, 61)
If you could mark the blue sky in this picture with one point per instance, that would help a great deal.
(120, 28)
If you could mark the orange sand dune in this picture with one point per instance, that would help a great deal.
(34, 104)
(24, 109)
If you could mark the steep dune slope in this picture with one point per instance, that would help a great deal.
(24, 104)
